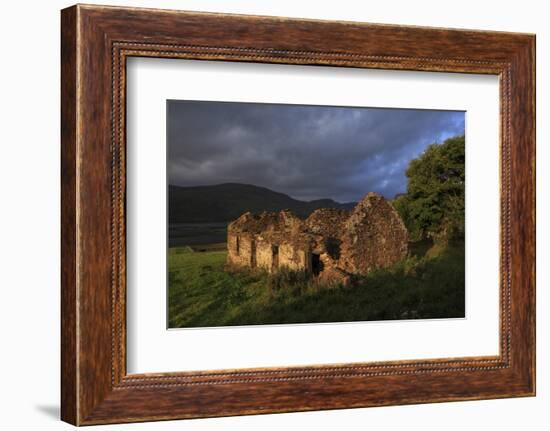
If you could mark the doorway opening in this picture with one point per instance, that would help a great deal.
(274, 257)
(316, 264)
(253, 254)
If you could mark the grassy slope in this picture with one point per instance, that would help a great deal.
(201, 293)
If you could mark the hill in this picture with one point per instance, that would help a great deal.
(226, 202)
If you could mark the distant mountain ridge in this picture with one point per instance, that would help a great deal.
(226, 202)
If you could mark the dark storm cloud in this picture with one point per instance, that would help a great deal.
(307, 152)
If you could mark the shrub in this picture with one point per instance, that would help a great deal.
(288, 279)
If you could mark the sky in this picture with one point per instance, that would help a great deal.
(307, 152)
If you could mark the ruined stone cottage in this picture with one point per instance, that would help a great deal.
(332, 244)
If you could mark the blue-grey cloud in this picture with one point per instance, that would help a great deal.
(307, 152)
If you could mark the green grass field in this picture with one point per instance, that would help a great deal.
(429, 284)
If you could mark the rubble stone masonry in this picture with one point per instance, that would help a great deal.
(332, 244)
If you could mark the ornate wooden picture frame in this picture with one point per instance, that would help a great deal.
(96, 41)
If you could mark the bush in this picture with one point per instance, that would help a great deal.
(288, 279)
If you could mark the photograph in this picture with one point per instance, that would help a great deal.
(283, 211)
(287, 214)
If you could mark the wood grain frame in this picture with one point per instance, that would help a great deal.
(95, 43)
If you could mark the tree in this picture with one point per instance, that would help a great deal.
(433, 206)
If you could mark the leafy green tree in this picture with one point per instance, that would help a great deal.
(433, 206)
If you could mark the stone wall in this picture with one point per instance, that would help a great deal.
(264, 255)
(293, 258)
(241, 250)
(327, 222)
(332, 244)
(374, 236)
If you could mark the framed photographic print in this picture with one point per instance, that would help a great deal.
(267, 215)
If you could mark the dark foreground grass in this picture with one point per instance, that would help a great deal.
(429, 284)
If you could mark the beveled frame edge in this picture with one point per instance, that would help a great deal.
(95, 43)
(124, 50)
